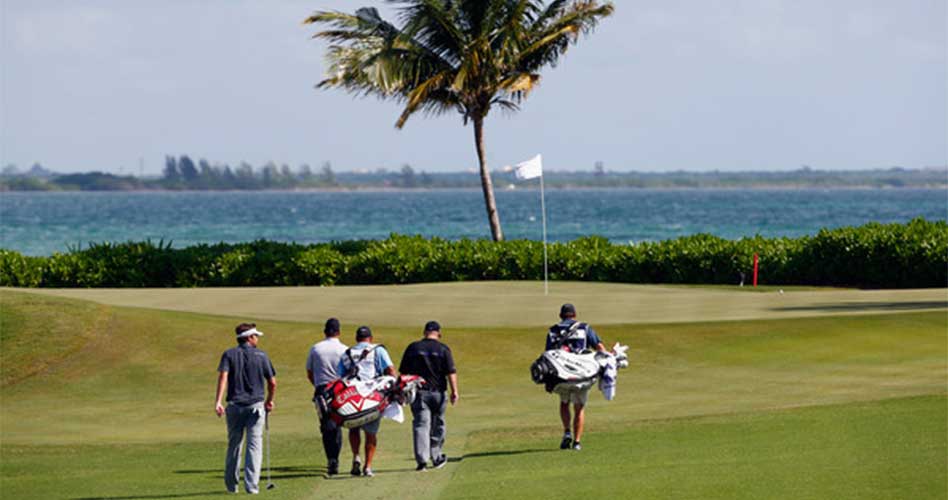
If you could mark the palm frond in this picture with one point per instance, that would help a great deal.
(452, 55)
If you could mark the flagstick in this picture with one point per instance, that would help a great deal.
(546, 278)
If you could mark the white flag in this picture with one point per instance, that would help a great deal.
(530, 169)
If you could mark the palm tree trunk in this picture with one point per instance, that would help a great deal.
(492, 217)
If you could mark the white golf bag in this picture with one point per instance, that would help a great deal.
(560, 370)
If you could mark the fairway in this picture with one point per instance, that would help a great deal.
(112, 397)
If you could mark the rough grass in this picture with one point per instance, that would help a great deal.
(823, 407)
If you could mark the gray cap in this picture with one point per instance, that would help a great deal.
(363, 332)
(567, 309)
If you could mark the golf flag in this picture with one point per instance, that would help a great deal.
(530, 169)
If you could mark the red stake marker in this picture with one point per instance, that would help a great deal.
(755, 269)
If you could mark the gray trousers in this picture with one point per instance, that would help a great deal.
(241, 420)
(428, 424)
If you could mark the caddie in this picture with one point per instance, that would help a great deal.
(365, 361)
(576, 337)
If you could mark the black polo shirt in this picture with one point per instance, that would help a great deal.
(247, 367)
(430, 359)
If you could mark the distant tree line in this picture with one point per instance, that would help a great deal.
(183, 173)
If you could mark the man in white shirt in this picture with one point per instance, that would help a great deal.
(321, 365)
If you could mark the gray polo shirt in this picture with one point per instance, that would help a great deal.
(323, 358)
(247, 367)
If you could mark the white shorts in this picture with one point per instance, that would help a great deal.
(574, 395)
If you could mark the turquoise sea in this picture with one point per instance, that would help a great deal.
(43, 223)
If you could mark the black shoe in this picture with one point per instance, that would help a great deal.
(566, 442)
(333, 468)
(356, 468)
(421, 467)
(577, 446)
(440, 461)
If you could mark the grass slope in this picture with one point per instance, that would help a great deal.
(828, 407)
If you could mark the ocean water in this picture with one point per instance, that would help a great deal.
(43, 223)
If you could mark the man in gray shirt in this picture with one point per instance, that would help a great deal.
(321, 365)
(241, 374)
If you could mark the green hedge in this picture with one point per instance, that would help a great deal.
(873, 256)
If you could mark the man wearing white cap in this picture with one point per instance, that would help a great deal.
(241, 374)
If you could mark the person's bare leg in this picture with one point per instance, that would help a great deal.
(578, 421)
(370, 443)
(564, 416)
(354, 442)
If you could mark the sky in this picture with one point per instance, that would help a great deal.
(661, 85)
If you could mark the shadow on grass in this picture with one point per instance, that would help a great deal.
(870, 306)
(501, 453)
(286, 472)
(176, 495)
(292, 472)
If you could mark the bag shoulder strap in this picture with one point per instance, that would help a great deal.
(354, 369)
(366, 352)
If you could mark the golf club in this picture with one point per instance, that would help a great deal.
(266, 426)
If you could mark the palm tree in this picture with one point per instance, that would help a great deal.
(454, 55)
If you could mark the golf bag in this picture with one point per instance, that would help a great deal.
(353, 403)
(560, 370)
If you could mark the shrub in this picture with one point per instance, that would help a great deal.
(914, 254)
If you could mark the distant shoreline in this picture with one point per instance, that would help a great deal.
(182, 175)
(378, 189)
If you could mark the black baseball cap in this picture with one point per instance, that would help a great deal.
(363, 332)
(332, 326)
(567, 309)
(432, 326)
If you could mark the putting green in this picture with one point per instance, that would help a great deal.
(514, 303)
(107, 401)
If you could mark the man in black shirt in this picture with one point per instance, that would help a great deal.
(241, 375)
(431, 360)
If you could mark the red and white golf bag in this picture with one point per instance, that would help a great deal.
(352, 402)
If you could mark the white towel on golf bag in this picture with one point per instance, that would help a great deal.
(394, 412)
(607, 377)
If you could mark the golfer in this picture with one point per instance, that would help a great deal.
(572, 336)
(321, 366)
(365, 361)
(432, 360)
(241, 374)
